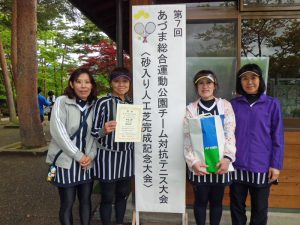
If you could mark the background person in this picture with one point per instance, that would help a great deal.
(209, 187)
(51, 99)
(74, 175)
(42, 103)
(114, 164)
(260, 145)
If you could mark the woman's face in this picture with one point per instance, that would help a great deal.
(82, 86)
(206, 89)
(120, 86)
(250, 83)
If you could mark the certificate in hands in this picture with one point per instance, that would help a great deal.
(129, 123)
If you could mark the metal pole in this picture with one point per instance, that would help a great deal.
(137, 222)
(119, 33)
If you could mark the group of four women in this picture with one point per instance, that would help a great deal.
(83, 147)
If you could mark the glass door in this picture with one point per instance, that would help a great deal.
(212, 45)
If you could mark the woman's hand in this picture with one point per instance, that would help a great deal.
(200, 168)
(273, 174)
(223, 166)
(110, 126)
(85, 161)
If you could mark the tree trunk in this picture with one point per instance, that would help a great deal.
(55, 80)
(13, 64)
(7, 84)
(31, 130)
(44, 66)
(62, 70)
(14, 41)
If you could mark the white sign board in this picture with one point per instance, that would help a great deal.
(159, 84)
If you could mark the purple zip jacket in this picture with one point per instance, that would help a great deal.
(259, 134)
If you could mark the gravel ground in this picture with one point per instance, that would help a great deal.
(25, 196)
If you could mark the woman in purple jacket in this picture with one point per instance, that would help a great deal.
(260, 145)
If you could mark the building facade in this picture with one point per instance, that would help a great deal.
(224, 35)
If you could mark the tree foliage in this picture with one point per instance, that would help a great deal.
(217, 41)
(66, 40)
(257, 33)
(5, 13)
(101, 59)
(63, 35)
(286, 60)
(87, 33)
(50, 11)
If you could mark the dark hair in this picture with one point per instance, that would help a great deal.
(203, 73)
(50, 93)
(39, 90)
(119, 71)
(251, 68)
(69, 91)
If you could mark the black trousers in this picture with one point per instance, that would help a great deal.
(212, 194)
(67, 198)
(259, 204)
(118, 191)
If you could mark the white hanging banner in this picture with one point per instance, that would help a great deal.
(159, 84)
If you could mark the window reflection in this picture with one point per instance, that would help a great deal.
(260, 3)
(212, 45)
(211, 39)
(279, 41)
(211, 4)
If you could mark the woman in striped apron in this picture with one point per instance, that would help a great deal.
(72, 147)
(114, 164)
(209, 187)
